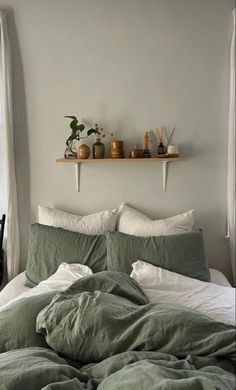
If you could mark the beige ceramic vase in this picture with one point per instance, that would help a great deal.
(83, 151)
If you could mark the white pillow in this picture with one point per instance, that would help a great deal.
(218, 278)
(98, 223)
(131, 221)
(63, 278)
(160, 285)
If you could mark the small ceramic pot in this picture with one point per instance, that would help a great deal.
(135, 153)
(117, 149)
(83, 151)
(173, 150)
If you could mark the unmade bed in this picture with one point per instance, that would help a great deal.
(117, 311)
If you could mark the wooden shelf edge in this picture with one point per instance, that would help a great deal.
(119, 160)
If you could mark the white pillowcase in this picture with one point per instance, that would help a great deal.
(98, 223)
(63, 278)
(160, 285)
(131, 221)
(218, 278)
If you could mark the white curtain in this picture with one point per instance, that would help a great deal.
(8, 195)
(231, 155)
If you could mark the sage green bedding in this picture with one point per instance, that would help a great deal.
(105, 335)
(180, 253)
(50, 246)
(35, 369)
(18, 323)
(102, 322)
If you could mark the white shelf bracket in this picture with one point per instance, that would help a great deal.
(165, 166)
(164, 174)
(77, 176)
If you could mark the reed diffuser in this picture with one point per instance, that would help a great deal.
(161, 149)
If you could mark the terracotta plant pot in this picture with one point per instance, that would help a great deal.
(83, 151)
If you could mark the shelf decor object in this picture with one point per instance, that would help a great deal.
(165, 160)
(117, 151)
(135, 152)
(98, 146)
(83, 152)
(146, 152)
(77, 134)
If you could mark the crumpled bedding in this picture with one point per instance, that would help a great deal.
(103, 334)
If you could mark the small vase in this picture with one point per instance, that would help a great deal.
(70, 151)
(117, 149)
(83, 151)
(98, 149)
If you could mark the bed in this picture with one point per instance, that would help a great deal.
(17, 286)
(117, 311)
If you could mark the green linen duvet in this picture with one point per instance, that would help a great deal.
(102, 333)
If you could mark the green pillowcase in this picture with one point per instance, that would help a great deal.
(18, 323)
(50, 246)
(180, 253)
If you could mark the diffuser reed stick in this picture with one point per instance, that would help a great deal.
(171, 133)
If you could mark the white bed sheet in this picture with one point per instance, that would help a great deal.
(17, 286)
(160, 285)
(13, 289)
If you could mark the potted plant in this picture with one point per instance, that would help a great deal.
(77, 134)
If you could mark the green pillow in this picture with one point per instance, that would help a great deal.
(180, 253)
(50, 246)
(18, 323)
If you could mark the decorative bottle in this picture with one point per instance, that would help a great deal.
(146, 152)
(98, 149)
(161, 149)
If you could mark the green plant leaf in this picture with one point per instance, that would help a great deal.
(71, 117)
(92, 131)
(80, 127)
(73, 125)
(73, 133)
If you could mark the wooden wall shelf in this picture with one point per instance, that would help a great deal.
(119, 160)
(163, 160)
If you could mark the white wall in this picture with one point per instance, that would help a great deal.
(131, 65)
